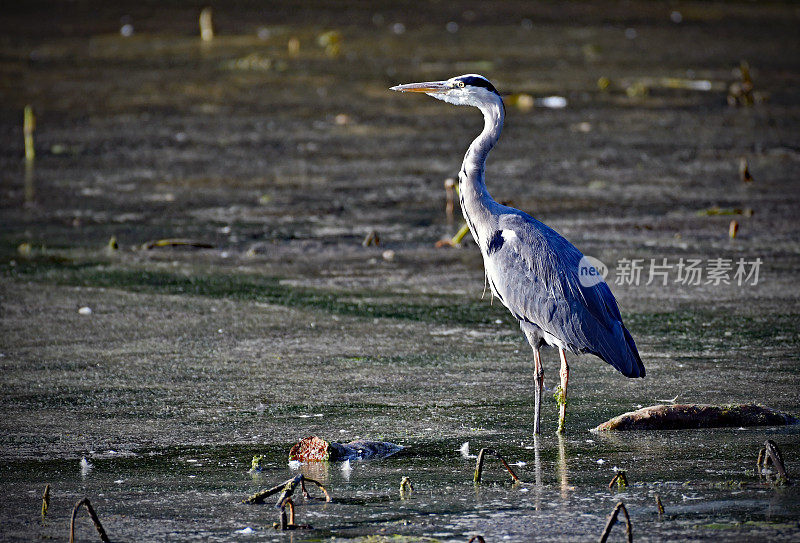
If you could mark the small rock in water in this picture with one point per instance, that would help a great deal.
(85, 310)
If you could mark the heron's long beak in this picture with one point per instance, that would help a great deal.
(429, 87)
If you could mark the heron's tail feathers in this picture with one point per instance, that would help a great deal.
(623, 354)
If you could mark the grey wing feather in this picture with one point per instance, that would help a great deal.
(534, 272)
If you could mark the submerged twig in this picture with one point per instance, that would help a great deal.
(770, 454)
(478, 538)
(287, 487)
(613, 519)
(620, 478)
(45, 501)
(287, 523)
(659, 505)
(455, 241)
(262, 495)
(479, 465)
(92, 514)
(405, 487)
(450, 192)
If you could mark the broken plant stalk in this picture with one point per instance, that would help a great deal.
(95, 519)
(613, 519)
(479, 465)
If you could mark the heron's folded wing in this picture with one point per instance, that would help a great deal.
(534, 271)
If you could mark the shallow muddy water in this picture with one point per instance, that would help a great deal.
(191, 360)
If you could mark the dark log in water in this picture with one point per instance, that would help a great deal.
(679, 417)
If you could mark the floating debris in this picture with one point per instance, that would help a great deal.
(176, 242)
(686, 416)
(522, 101)
(126, 30)
(716, 210)
(673, 400)
(293, 46)
(552, 102)
(253, 61)
(740, 93)
(85, 310)
(371, 239)
(733, 229)
(613, 520)
(315, 449)
(95, 519)
(86, 466)
(464, 450)
(257, 463)
(28, 127)
(744, 171)
(638, 89)
(331, 41)
(206, 25)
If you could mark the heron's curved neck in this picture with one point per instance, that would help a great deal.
(475, 199)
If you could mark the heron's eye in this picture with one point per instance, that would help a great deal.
(460, 84)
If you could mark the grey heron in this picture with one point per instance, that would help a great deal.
(529, 266)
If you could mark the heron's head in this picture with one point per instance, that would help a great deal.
(463, 90)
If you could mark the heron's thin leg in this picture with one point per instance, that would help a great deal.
(564, 374)
(538, 385)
